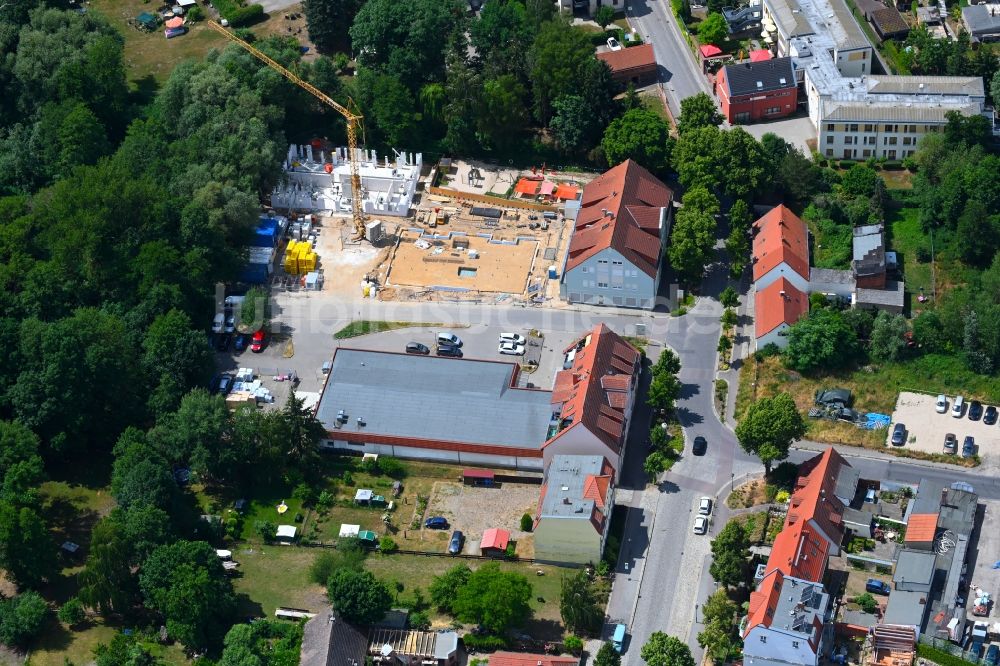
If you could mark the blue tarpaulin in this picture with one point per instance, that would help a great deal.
(875, 421)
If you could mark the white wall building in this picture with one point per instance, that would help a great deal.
(316, 181)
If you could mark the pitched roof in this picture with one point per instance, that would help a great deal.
(596, 488)
(620, 209)
(921, 528)
(888, 21)
(764, 601)
(591, 391)
(523, 659)
(626, 60)
(815, 496)
(495, 538)
(781, 237)
(774, 308)
(748, 78)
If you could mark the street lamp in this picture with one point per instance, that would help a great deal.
(732, 481)
(696, 620)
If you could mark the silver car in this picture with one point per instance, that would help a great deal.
(700, 525)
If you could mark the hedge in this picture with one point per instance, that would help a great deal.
(940, 657)
(237, 15)
(847, 164)
(492, 642)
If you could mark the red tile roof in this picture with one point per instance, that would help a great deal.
(764, 601)
(781, 237)
(523, 659)
(632, 198)
(815, 498)
(632, 58)
(593, 391)
(495, 538)
(596, 488)
(772, 308)
(921, 528)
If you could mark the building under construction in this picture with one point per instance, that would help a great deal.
(400, 647)
(317, 180)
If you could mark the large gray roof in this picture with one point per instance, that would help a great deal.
(751, 78)
(914, 567)
(428, 397)
(906, 608)
(565, 479)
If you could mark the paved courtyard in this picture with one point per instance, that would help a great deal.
(926, 428)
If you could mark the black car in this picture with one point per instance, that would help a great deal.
(700, 446)
(968, 446)
(436, 523)
(222, 384)
(455, 545)
(222, 341)
(449, 350)
(990, 415)
(899, 435)
(241, 342)
(975, 410)
(417, 348)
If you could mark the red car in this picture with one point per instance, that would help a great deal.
(259, 341)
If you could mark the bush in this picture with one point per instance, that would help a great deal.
(603, 568)
(21, 618)
(892, 165)
(72, 612)
(770, 492)
(768, 350)
(526, 522)
(867, 602)
(782, 497)
(847, 164)
(392, 467)
(484, 643)
(573, 644)
(324, 501)
(939, 657)
(509, 553)
(237, 15)
(729, 298)
(729, 317)
(306, 493)
(267, 530)
(196, 14)
(387, 545)
(420, 621)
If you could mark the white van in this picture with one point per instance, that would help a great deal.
(218, 323)
(957, 406)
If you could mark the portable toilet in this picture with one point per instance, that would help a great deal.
(553, 272)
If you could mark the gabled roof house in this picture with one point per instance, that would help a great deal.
(574, 509)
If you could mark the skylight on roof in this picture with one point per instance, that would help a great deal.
(760, 84)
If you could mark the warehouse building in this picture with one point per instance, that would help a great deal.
(461, 411)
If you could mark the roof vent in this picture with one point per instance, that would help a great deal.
(760, 84)
(782, 81)
(361, 422)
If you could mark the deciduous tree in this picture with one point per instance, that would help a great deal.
(578, 605)
(664, 650)
(444, 588)
(820, 341)
(698, 111)
(329, 22)
(887, 337)
(769, 427)
(494, 598)
(358, 596)
(640, 135)
(692, 245)
(713, 30)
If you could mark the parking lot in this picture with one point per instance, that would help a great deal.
(926, 428)
(474, 510)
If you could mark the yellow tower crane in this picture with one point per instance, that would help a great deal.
(353, 122)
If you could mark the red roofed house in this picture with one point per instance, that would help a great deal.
(781, 249)
(592, 398)
(494, 542)
(618, 239)
(522, 659)
(574, 509)
(790, 619)
(636, 64)
(776, 308)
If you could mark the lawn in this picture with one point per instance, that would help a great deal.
(272, 576)
(366, 326)
(874, 391)
(59, 646)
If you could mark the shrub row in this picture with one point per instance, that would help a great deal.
(237, 15)
(940, 657)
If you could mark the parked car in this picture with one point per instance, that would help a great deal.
(223, 383)
(700, 446)
(990, 415)
(222, 341)
(898, 434)
(993, 655)
(968, 446)
(455, 545)
(700, 525)
(705, 506)
(614, 44)
(876, 586)
(449, 350)
(942, 404)
(241, 342)
(230, 323)
(436, 523)
(218, 323)
(950, 443)
(513, 337)
(417, 348)
(511, 349)
(259, 341)
(975, 410)
(449, 338)
(957, 406)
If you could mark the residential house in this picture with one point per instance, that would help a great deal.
(574, 509)
(776, 308)
(593, 397)
(982, 21)
(526, 659)
(787, 622)
(752, 91)
(869, 256)
(781, 249)
(327, 640)
(618, 240)
(399, 647)
(635, 64)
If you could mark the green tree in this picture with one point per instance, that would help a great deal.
(502, 117)
(328, 22)
(27, 552)
(526, 522)
(266, 530)
(718, 609)
(21, 467)
(604, 16)
(303, 433)
(697, 156)
(578, 605)
(106, 582)
(349, 554)
(713, 30)
(80, 138)
(255, 310)
(664, 386)
(432, 100)
(698, 111)
(358, 596)
(444, 588)
(887, 337)
(124, 650)
(72, 612)
(769, 427)
(573, 124)
(820, 341)
(716, 640)
(607, 655)
(692, 245)
(502, 38)
(664, 650)
(185, 582)
(389, 107)
(494, 598)
(21, 618)
(640, 135)
(196, 434)
(654, 464)
(559, 57)
(729, 298)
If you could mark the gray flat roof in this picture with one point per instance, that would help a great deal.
(800, 603)
(434, 398)
(830, 275)
(565, 480)
(893, 294)
(914, 566)
(927, 499)
(958, 511)
(906, 608)
(981, 19)
(847, 483)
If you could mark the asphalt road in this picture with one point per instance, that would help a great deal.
(679, 74)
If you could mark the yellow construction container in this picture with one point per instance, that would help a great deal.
(292, 257)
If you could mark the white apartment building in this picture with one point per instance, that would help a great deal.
(856, 114)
